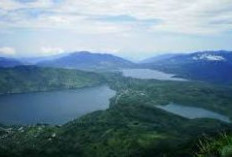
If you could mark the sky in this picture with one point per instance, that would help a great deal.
(129, 28)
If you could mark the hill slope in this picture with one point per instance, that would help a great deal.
(30, 78)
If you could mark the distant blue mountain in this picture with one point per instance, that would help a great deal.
(35, 60)
(87, 60)
(213, 66)
(9, 62)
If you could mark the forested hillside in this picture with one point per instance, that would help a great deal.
(32, 79)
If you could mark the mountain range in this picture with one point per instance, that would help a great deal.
(211, 66)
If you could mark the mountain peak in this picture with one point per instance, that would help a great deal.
(82, 52)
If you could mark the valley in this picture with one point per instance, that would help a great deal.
(124, 115)
(132, 126)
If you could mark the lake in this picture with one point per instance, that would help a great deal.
(150, 74)
(55, 107)
(192, 112)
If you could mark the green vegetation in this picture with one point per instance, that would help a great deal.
(32, 79)
(131, 127)
(220, 146)
(151, 92)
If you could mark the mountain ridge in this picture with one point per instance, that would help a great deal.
(88, 60)
(9, 62)
(173, 55)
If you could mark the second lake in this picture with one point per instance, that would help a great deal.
(193, 112)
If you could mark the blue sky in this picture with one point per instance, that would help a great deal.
(129, 28)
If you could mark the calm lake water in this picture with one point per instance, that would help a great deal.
(150, 74)
(55, 107)
(193, 112)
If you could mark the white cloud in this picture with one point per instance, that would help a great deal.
(39, 4)
(51, 50)
(7, 51)
(178, 16)
(181, 16)
(9, 5)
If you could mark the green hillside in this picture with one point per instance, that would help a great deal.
(32, 79)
